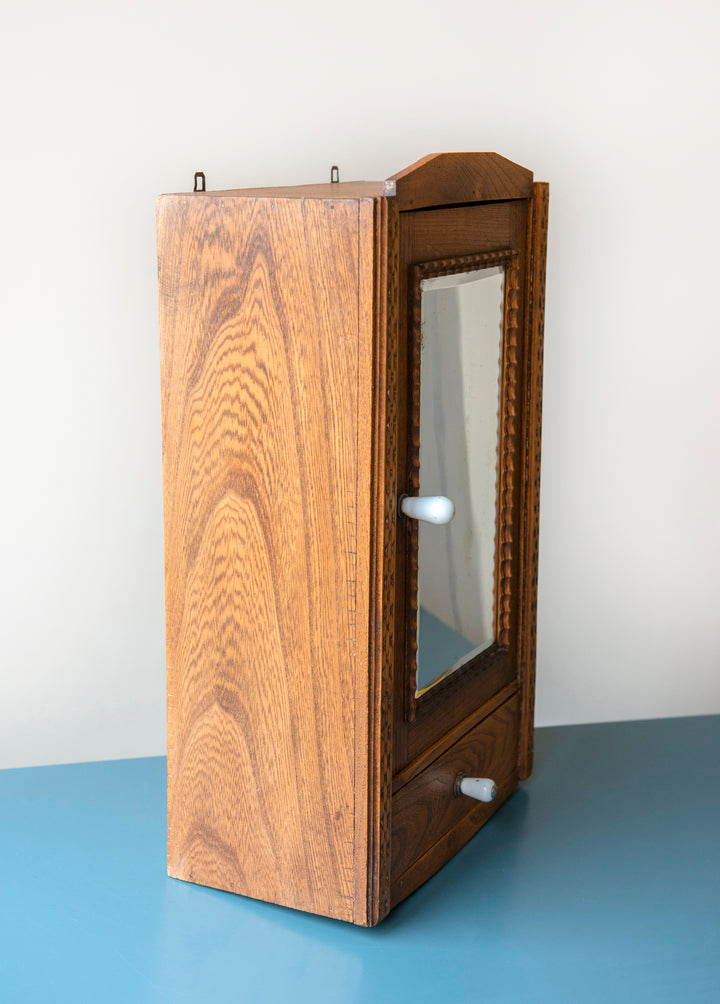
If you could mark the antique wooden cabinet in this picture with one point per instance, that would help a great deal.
(337, 360)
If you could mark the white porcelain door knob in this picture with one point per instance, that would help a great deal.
(483, 789)
(429, 508)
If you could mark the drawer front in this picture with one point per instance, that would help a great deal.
(426, 808)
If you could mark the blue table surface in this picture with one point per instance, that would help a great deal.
(599, 880)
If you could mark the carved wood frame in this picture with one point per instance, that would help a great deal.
(508, 420)
(530, 492)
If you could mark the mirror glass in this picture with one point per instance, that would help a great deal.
(460, 370)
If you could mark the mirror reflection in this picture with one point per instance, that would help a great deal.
(460, 370)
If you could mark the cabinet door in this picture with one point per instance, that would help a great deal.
(463, 379)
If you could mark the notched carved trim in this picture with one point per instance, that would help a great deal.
(387, 221)
(506, 452)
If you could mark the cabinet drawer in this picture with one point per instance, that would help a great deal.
(426, 809)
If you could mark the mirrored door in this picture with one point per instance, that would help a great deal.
(460, 367)
(460, 465)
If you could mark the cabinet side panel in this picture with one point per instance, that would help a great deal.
(259, 333)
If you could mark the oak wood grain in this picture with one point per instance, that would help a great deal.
(463, 230)
(447, 847)
(382, 603)
(266, 332)
(401, 778)
(447, 178)
(426, 808)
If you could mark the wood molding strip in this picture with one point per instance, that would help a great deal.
(443, 179)
(530, 494)
(384, 494)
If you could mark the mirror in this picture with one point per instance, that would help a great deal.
(461, 344)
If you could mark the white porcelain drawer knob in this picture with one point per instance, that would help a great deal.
(483, 789)
(429, 508)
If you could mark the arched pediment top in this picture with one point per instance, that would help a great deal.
(442, 179)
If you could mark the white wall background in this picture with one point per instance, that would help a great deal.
(104, 105)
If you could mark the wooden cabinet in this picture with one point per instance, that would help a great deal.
(309, 762)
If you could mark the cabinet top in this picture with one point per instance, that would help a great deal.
(440, 179)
